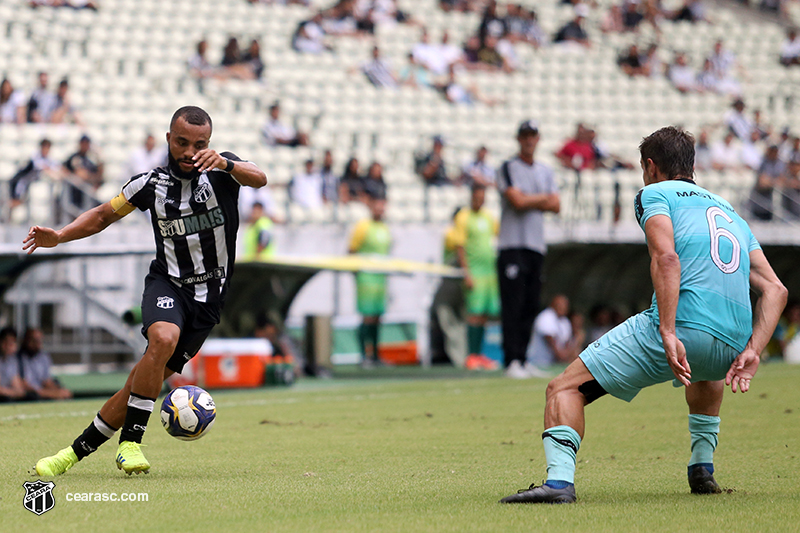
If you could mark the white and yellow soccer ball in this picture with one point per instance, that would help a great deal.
(188, 412)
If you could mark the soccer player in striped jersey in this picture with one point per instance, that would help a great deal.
(193, 210)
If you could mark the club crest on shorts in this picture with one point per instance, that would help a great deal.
(165, 302)
(202, 193)
(512, 271)
(38, 496)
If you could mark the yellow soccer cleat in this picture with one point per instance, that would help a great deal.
(130, 458)
(56, 464)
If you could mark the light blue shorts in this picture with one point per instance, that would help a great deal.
(631, 357)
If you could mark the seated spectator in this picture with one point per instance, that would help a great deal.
(309, 37)
(478, 172)
(351, 185)
(64, 110)
(790, 49)
(42, 102)
(612, 21)
(631, 62)
(145, 158)
(305, 188)
(651, 64)
(572, 31)
(763, 129)
(252, 59)
(470, 53)
(491, 24)
(431, 166)
(277, 133)
(383, 12)
(199, 67)
(35, 367)
(751, 153)
(11, 386)
(770, 174)
(340, 19)
(428, 55)
(681, 74)
(85, 165)
(492, 58)
(725, 154)
(553, 340)
(378, 71)
(330, 183)
(532, 32)
(12, 104)
(737, 122)
(514, 22)
(723, 63)
(578, 153)
(415, 75)
(632, 16)
(790, 199)
(691, 11)
(603, 156)
(374, 184)
(38, 165)
(448, 54)
(707, 80)
(702, 152)
(234, 64)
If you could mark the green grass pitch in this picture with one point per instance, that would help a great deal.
(418, 455)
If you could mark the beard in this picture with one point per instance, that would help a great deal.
(176, 170)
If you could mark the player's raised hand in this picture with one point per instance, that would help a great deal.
(40, 237)
(209, 159)
(742, 370)
(676, 357)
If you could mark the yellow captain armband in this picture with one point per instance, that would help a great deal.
(121, 206)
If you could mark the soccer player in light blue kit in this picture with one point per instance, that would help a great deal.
(700, 329)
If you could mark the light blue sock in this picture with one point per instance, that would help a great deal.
(704, 430)
(561, 444)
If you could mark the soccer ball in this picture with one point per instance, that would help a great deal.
(187, 413)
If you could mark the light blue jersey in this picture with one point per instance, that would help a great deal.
(714, 245)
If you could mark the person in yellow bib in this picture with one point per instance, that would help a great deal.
(371, 237)
(258, 239)
(476, 230)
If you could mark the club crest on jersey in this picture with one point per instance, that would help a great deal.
(165, 302)
(202, 193)
(38, 497)
(192, 224)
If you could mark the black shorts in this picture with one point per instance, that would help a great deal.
(163, 301)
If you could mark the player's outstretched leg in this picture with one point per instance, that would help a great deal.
(564, 426)
(162, 340)
(704, 399)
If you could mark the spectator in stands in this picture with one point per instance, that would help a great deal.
(64, 110)
(199, 67)
(604, 158)
(145, 158)
(330, 183)
(790, 199)
(234, 64)
(702, 152)
(374, 184)
(85, 165)
(751, 153)
(435, 58)
(770, 175)
(351, 185)
(725, 154)
(691, 11)
(612, 21)
(723, 63)
(681, 75)
(737, 122)
(514, 22)
(259, 243)
(631, 62)
(786, 144)
(340, 19)
(305, 188)
(38, 165)
(385, 12)
(491, 24)
(579, 153)
(572, 31)
(252, 59)
(470, 52)
(790, 49)
(763, 129)
(479, 171)
(448, 54)
(12, 104)
(277, 133)
(632, 16)
(35, 364)
(707, 80)
(456, 93)
(532, 32)
(42, 102)
(415, 75)
(309, 37)
(11, 386)
(379, 72)
(431, 167)
(651, 64)
(553, 339)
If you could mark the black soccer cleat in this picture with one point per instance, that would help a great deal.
(542, 494)
(701, 481)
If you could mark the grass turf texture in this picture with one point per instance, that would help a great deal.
(421, 455)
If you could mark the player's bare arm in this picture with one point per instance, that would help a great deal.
(665, 270)
(245, 172)
(771, 300)
(88, 223)
(526, 202)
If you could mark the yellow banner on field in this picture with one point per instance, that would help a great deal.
(362, 263)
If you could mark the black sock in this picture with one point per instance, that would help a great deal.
(362, 339)
(373, 331)
(92, 437)
(139, 409)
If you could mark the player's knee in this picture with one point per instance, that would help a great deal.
(555, 387)
(163, 340)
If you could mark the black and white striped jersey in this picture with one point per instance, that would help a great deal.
(195, 223)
